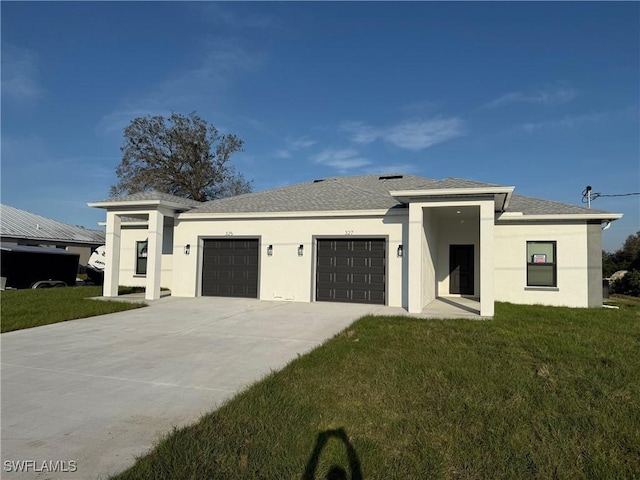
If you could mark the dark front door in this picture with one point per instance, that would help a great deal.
(351, 270)
(230, 268)
(461, 269)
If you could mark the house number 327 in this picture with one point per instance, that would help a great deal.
(348, 232)
(228, 234)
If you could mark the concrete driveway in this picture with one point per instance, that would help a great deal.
(94, 393)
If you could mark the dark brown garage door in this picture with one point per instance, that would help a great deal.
(351, 271)
(230, 268)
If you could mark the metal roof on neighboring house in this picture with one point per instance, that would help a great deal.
(20, 224)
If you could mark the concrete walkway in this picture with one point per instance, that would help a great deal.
(102, 390)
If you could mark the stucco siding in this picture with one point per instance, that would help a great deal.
(429, 257)
(594, 259)
(127, 276)
(510, 272)
(284, 275)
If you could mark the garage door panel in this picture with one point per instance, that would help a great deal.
(340, 246)
(342, 277)
(361, 278)
(351, 270)
(325, 262)
(377, 297)
(360, 262)
(230, 268)
(342, 262)
(378, 263)
(341, 295)
(378, 248)
(360, 296)
(325, 277)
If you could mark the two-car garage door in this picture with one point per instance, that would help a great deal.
(347, 270)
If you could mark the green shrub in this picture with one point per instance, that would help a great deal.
(629, 284)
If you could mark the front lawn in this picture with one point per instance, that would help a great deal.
(32, 308)
(538, 392)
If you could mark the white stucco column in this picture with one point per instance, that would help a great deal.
(112, 255)
(414, 258)
(154, 255)
(487, 252)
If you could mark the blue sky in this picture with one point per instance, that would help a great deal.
(543, 96)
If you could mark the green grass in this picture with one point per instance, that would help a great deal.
(33, 308)
(538, 392)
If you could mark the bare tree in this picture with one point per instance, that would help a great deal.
(181, 155)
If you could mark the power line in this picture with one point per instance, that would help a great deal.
(587, 195)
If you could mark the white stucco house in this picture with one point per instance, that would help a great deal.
(396, 240)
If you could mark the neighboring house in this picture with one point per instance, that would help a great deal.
(397, 240)
(19, 227)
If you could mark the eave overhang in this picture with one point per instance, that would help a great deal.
(139, 205)
(519, 217)
(501, 195)
(302, 214)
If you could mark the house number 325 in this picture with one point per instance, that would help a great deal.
(348, 232)
(229, 234)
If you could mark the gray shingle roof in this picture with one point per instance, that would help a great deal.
(153, 195)
(16, 223)
(539, 206)
(364, 192)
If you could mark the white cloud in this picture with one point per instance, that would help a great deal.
(410, 135)
(294, 145)
(549, 97)
(361, 133)
(342, 160)
(570, 121)
(421, 135)
(282, 154)
(300, 143)
(20, 73)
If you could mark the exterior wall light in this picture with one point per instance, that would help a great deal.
(187, 249)
(300, 250)
(270, 250)
(400, 250)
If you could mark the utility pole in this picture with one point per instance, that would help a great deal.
(588, 194)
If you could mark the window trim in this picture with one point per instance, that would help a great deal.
(138, 258)
(554, 286)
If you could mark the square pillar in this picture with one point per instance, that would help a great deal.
(154, 255)
(112, 255)
(487, 252)
(414, 258)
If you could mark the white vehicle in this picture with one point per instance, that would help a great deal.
(95, 265)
